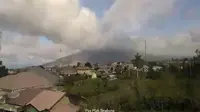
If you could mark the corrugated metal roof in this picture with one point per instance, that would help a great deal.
(64, 106)
(23, 80)
(24, 97)
(50, 77)
(46, 99)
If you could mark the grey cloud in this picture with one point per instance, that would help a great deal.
(60, 20)
(17, 51)
(195, 34)
(134, 14)
(181, 44)
(73, 28)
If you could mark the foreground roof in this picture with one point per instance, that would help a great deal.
(62, 106)
(23, 80)
(65, 108)
(42, 72)
(24, 97)
(46, 99)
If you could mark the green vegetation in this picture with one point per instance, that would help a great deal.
(175, 88)
(88, 64)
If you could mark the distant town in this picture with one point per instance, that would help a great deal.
(126, 86)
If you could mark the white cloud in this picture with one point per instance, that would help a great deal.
(24, 50)
(68, 25)
(73, 28)
(134, 14)
(181, 44)
(60, 20)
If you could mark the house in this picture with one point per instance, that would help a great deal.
(93, 75)
(24, 96)
(15, 101)
(112, 77)
(104, 69)
(68, 71)
(83, 70)
(145, 68)
(37, 100)
(157, 68)
(128, 65)
(4, 107)
(22, 81)
(50, 101)
(86, 71)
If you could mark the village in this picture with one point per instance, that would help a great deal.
(41, 88)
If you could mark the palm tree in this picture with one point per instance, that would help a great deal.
(138, 61)
(78, 64)
(197, 51)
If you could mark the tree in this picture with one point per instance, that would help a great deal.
(96, 66)
(153, 74)
(41, 66)
(152, 63)
(125, 68)
(78, 64)
(88, 64)
(197, 52)
(185, 66)
(173, 68)
(111, 69)
(196, 63)
(118, 69)
(138, 61)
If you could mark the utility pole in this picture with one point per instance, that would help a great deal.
(190, 67)
(145, 51)
(0, 39)
(145, 59)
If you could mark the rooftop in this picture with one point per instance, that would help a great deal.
(83, 68)
(42, 72)
(46, 99)
(64, 106)
(24, 97)
(23, 80)
(68, 70)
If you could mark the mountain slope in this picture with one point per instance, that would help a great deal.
(101, 56)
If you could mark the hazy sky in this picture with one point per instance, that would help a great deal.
(35, 32)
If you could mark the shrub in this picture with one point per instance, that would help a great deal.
(153, 74)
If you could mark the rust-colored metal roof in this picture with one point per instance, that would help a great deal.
(64, 106)
(24, 97)
(53, 79)
(46, 99)
(23, 80)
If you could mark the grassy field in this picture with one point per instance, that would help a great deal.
(118, 94)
